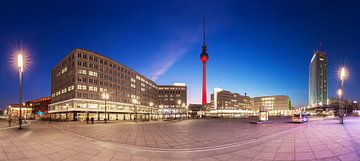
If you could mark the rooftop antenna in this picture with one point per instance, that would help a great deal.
(204, 33)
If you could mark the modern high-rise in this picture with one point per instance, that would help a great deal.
(318, 79)
(80, 81)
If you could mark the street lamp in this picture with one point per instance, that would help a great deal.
(339, 93)
(9, 111)
(134, 101)
(67, 111)
(187, 110)
(151, 106)
(32, 110)
(20, 64)
(105, 96)
(26, 108)
(179, 104)
(343, 75)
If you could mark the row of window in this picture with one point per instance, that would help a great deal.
(81, 87)
(170, 95)
(170, 92)
(91, 73)
(171, 88)
(114, 66)
(70, 88)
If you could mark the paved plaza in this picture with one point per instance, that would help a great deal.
(188, 140)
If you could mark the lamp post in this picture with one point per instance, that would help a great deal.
(32, 110)
(134, 101)
(48, 114)
(341, 114)
(26, 108)
(9, 111)
(187, 110)
(179, 105)
(343, 75)
(151, 106)
(105, 96)
(20, 64)
(67, 111)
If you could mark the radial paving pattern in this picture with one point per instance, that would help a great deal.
(186, 140)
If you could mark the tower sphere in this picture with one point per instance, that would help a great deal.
(204, 56)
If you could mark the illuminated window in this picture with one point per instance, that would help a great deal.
(63, 91)
(91, 73)
(63, 70)
(82, 71)
(92, 88)
(81, 87)
(92, 106)
(70, 88)
(81, 105)
(102, 89)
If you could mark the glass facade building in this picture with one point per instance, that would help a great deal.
(318, 79)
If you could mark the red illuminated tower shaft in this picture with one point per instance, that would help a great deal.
(204, 56)
(204, 101)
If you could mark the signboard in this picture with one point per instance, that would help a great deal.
(263, 114)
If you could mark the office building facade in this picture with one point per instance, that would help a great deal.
(227, 100)
(227, 104)
(172, 99)
(82, 79)
(318, 79)
(276, 105)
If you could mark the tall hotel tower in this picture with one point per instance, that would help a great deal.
(204, 58)
(318, 79)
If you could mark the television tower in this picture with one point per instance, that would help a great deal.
(204, 58)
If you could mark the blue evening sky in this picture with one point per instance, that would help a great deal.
(261, 47)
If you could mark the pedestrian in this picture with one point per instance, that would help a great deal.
(87, 120)
(92, 120)
(9, 121)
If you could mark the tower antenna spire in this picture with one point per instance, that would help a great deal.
(204, 33)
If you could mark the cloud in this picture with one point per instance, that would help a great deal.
(171, 52)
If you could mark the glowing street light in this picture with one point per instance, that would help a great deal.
(20, 65)
(339, 93)
(151, 106)
(343, 74)
(105, 96)
(67, 111)
(135, 101)
(20, 61)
